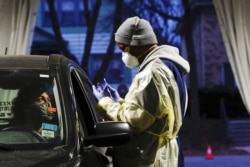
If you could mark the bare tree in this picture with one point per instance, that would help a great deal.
(160, 14)
(193, 89)
(57, 31)
(91, 19)
(188, 36)
(111, 47)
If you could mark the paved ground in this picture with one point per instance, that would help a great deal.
(218, 161)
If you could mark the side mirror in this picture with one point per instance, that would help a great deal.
(109, 134)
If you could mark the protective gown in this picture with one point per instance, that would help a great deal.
(154, 107)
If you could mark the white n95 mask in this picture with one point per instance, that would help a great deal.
(129, 60)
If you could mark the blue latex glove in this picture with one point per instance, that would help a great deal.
(112, 92)
(98, 92)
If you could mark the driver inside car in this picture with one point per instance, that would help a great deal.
(39, 112)
(32, 109)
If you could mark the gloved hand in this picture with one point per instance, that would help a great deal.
(98, 92)
(113, 93)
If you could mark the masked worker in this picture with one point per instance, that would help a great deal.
(156, 102)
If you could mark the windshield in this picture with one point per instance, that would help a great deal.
(30, 110)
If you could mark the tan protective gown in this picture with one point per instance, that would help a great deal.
(152, 108)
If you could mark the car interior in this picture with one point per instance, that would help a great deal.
(21, 120)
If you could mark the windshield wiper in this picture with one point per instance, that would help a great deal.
(6, 147)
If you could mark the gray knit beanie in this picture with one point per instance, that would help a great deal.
(135, 32)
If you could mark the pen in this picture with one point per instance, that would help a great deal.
(110, 95)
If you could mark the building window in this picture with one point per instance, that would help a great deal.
(69, 13)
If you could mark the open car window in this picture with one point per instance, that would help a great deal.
(30, 110)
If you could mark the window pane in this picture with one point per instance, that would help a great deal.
(29, 107)
(68, 6)
(68, 18)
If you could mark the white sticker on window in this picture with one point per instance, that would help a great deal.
(48, 134)
(44, 76)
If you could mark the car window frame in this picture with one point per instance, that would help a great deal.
(81, 83)
(56, 80)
